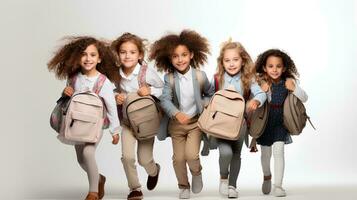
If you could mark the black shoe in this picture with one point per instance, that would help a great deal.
(152, 180)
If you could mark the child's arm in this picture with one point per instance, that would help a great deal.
(108, 95)
(292, 85)
(208, 88)
(155, 82)
(166, 99)
(258, 94)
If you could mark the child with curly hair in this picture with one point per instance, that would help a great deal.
(83, 61)
(278, 76)
(185, 87)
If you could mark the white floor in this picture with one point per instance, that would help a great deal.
(293, 193)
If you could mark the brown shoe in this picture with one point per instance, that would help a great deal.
(92, 196)
(152, 180)
(135, 195)
(101, 186)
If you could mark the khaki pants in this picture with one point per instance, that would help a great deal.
(186, 140)
(145, 157)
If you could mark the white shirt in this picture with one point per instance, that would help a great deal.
(130, 83)
(85, 83)
(187, 98)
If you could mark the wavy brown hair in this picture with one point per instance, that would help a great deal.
(129, 37)
(162, 50)
(66, 61)
(247, 69)
(288, 63)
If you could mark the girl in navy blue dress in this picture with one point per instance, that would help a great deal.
(278, 77)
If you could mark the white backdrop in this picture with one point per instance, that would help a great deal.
(317, 34)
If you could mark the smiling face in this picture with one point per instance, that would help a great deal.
(181, 58)
(232, 61)
(90, 58)
(274, 67)
(129, 54)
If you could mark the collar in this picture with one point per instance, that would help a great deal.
(134, 73)
(229, 78)
(187, 75)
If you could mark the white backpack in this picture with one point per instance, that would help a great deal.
(85, 115)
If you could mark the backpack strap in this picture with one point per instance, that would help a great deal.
(99, 83)
(142, 75)
(216, 82)
(200, 80)
(72, 81)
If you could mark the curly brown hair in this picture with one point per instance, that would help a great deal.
(288, 63)
(66, 61)
(247, 69)
(162, 50)
(129, 37)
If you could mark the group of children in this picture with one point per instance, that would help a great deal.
(182, 95)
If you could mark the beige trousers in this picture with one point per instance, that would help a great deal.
(144, 153)
(186, 140)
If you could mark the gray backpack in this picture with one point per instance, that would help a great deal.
(295, 115)
(142, 113)
(258, 121)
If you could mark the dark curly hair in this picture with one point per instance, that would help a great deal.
(162, 50)
(289, 65)
(128, 37)
(66, 61)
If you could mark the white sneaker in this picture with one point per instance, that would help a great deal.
(184, 194)
(279, 191)
(232, 192)
(266, 187)
(197, 184)
(223, 187)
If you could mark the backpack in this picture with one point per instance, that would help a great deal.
(258, 121)
(82, 116)
(295, 115)
(218, 119)
(141, 113)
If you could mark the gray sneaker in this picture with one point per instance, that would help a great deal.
(266, 186)
(232, 192)
(197, 184)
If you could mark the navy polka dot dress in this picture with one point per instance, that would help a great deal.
(275, 130)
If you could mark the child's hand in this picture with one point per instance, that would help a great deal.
(68, 91)
(265, 86)
(144, 91)
(119, 98)
(182, 118)
(115, 139)
(252, 105)
(289, 84)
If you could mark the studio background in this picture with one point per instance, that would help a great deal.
(320, 36)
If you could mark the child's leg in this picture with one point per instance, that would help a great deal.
(235, 162)
(225, 157)
(178, 138)
(265, 160)
(192, 149)
(128, 158)
(279, 163)
(145, 156)
(80, 158)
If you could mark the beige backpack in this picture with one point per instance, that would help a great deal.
(295, 115)
(84, 118)
(142, 114)
(224, 115)
(258, 121)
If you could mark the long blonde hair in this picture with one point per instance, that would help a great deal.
(247, 70)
